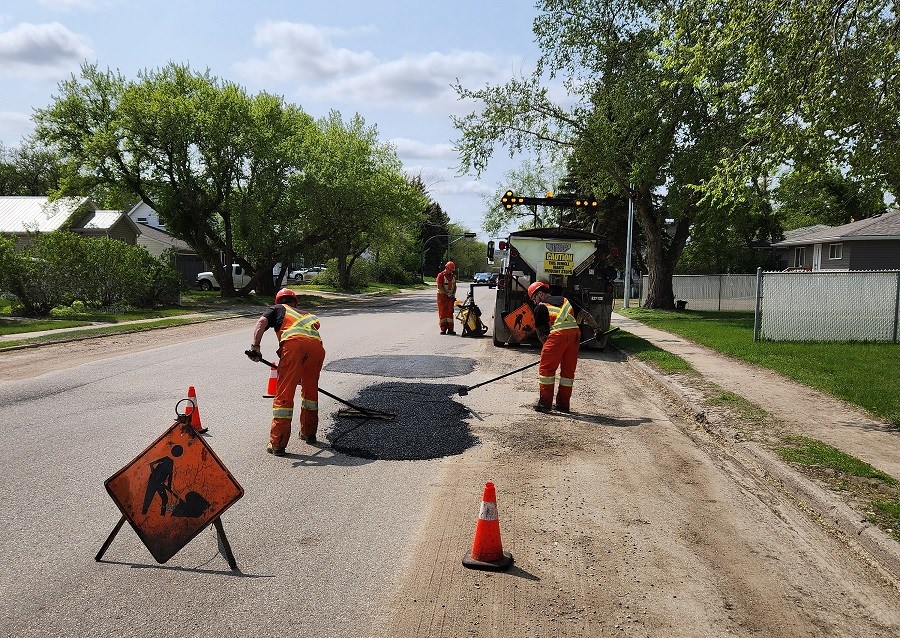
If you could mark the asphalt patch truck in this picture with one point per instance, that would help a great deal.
(572, 261)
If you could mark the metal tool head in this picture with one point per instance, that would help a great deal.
(463, 391)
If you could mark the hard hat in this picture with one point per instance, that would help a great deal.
(450, 266)
(286, 295)
(538, 285)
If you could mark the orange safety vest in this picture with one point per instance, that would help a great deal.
(298, 324)
(561, 318)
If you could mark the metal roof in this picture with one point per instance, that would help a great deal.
(21, 214)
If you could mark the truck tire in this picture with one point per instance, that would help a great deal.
(205, 285)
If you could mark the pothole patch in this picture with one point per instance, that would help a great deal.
(429, 424)
(405, 366)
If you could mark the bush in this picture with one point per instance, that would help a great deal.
(61, 268)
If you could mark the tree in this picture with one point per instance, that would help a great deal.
(636, 126)
(30, 169)
(358, 190)
(805, 197)
(187, 144)
(817, 80)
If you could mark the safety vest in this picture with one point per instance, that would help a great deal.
(561, 318)
(296, 324)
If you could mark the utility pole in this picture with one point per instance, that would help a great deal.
(627, 295)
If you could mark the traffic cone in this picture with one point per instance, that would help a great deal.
(487, 549)
(272, 384)
(193, 410)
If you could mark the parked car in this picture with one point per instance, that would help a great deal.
(306, 274)
(481, 278)
(207, 281)
(492, 282)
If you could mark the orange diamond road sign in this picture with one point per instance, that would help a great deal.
(173, 490)
(520, 322)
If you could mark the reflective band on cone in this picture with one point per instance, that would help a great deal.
(487, 549)
(272, 384)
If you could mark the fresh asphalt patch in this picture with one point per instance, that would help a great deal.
(429, 424)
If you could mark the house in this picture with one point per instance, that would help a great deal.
(868, 244)
(156, 240)
(23, 216)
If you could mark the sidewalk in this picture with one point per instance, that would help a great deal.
(806, 411)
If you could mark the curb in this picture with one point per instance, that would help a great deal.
(882, 549)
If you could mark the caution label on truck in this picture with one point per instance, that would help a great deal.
(559, 263)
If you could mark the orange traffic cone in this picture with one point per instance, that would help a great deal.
(272, 384)
(193, 410)
(487, 549)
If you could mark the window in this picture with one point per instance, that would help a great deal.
(800, 256)
(835, 251)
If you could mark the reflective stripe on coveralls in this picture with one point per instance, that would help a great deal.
(560, 350)
(302, 356)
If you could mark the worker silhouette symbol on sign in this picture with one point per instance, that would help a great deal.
(159, 484)
(520, 322)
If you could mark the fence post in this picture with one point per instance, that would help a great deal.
(720, 292)
(897, 307)
(759, 280)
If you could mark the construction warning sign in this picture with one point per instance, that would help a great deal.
(520, 322)
(173, 490)
(559, 263)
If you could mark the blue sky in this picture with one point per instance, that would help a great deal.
(392, 61)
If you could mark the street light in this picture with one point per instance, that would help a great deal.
(455, 239)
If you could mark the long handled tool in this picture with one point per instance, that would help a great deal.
(464, 390)
(354, 411)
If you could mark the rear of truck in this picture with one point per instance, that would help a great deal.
(572, 262)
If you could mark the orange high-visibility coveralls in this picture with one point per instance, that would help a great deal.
(446, 295)
(560, 350)
(302, 356)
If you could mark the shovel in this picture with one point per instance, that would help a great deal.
(464, 390)
(351, 410)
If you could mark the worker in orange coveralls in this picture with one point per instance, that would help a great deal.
(446, 296)
(301, 355)
(560, 334)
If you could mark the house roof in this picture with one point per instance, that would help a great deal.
(22, 214)
(883, 226)
(102, 220)
(163, 237)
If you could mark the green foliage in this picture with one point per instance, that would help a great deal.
(645, 351)
(806, 451)
(61, 269)
(809, 196)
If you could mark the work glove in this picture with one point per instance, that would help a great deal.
(254, 353)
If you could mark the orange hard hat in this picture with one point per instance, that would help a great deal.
(450, 265)
(538, 285)
(286, 295)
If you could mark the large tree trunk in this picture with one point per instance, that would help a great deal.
(664, 247)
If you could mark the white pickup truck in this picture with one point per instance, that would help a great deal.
(207, 281)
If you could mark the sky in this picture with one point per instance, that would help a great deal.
(393, 62)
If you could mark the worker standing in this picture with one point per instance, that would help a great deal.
(556, 327)
(446, 296)
(301, 355)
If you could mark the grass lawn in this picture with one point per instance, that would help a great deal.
(18, 326)
(643, 350)
(865, 374)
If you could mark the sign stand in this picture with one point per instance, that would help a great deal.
(172, 491)
(226, 546)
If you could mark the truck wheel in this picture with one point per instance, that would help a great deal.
(205, 285)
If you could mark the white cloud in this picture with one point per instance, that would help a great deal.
(301, 52)
(41, 51)
(413, 149)
(14, 127)
(305, 54)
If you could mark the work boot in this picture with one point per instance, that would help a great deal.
(451, 332)
(443, 332)
(540, 407)
(561, 408)
(277, 451)
(309, 439)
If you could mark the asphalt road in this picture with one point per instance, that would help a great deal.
(319, 536)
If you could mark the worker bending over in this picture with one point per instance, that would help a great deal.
(301, 355)
(446, 296)
(560, 334)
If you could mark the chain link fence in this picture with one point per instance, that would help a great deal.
(711, 292)
(828, 306)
